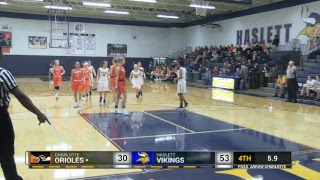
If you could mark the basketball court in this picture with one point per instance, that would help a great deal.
(244, 123)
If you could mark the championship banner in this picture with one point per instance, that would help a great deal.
(117, 50)
(37, 42)
(220, 82)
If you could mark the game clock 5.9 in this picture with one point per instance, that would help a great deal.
(5, 39)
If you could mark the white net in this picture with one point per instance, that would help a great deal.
(200, 11)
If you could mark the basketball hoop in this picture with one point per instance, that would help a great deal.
(200, 11)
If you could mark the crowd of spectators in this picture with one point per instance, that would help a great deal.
(245, 64)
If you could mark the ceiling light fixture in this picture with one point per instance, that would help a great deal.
(96, 4)
(202, 6)
(58, 7)
(167, 16)
(116, 12)
(1, 2)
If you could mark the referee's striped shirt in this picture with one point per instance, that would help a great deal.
(7, 84)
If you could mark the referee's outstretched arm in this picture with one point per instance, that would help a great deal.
(11, 86)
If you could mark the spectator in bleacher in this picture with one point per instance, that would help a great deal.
(314, 87)
(238, 76)
(292, 82)
(216, 71)
(250, 55)
(280, 85)
(257, 47)
(264, 47)
(231, 48)
(275, 43)
(266, 70)
(309, 84)
(245, 71)
(215, 56)
(207, 77)
(168, 75)
(254, 76)
(196, 66)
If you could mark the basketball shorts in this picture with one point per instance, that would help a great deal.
(181, 86)
(136, 83)
(112, 83)
(122, 87)
(141, 80)
(57, 81)
(87, 83)
(77, 86)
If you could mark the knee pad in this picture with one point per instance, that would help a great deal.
(57, 87)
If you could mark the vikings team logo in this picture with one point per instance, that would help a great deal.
(144, 157)
(312, 29)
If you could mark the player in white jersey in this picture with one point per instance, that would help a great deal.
(142, 78)
(103, 79)
(92, 73)
(135, 78)
(181, 84)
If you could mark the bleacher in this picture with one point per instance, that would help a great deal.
(292, 51)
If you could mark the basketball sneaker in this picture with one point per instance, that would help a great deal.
(75, 105)
(83, 98)
(79, 104)
(56, 96)
(112, 105)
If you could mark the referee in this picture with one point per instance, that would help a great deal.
(292, 82)
(8, 85)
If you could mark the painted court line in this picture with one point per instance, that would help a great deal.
(53, 126)
(202, 132)
(306, 152)
(102, 133)
(168, 122)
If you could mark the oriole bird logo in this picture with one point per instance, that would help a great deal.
(144, 157)
(34, 159)
(312, 30)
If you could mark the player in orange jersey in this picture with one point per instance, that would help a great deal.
(77, 82)
(113, 79)
(120, 87)
(87, 78)
(58, 71)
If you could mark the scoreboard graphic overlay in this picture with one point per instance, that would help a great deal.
(157, 160)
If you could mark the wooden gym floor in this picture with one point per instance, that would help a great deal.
(239, 122)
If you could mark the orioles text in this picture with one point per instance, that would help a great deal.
(69, 160)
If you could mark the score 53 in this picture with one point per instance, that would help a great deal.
(224, 157)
